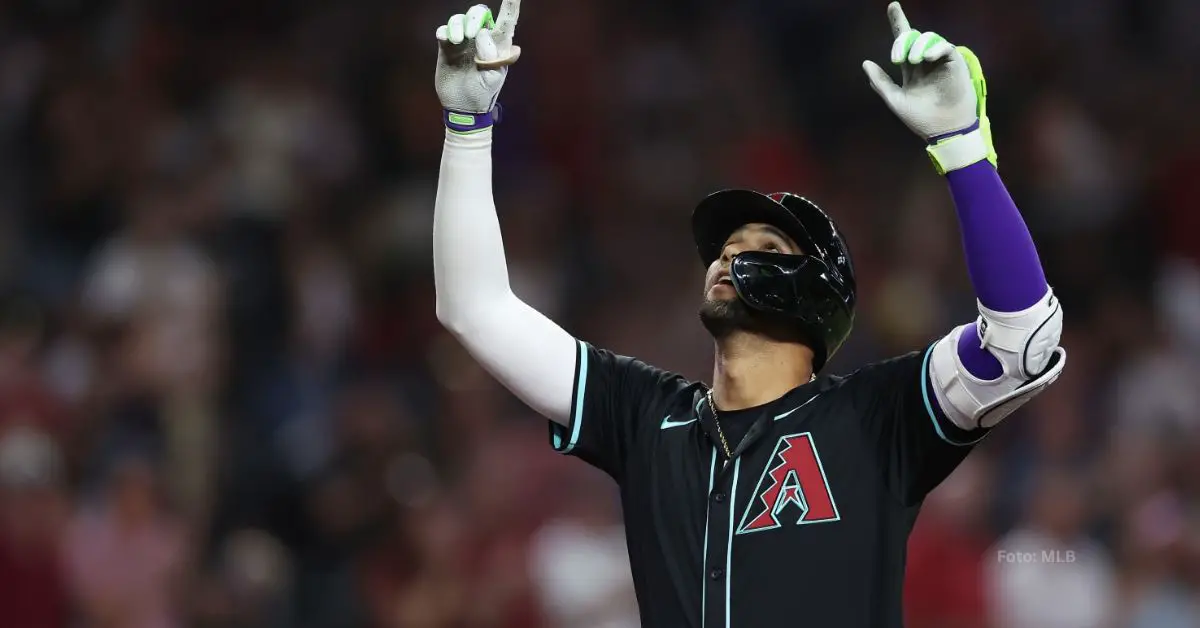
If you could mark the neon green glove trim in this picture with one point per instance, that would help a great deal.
(933, 41)
(910, 38)
(980, 84)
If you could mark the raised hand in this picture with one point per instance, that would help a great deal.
(474, 52)
(942, 91)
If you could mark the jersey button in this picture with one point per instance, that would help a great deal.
(716, 574)
(719, 497)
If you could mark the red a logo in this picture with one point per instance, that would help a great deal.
(793, 477)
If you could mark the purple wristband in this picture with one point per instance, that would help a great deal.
(937, 138)
(466, 123)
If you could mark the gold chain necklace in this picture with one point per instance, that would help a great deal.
(717, 422)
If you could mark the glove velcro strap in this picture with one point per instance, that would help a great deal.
(958, 151)
(468, 123)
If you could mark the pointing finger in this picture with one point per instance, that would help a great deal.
(506, 21)
(897, 19)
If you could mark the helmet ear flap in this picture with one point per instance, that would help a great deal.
(795, 288)
(826, 242)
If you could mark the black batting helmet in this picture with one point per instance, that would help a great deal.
(815, 288)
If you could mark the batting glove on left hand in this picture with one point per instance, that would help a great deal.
(942, 96)
(474, 52)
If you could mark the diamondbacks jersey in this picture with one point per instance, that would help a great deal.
(807, 525)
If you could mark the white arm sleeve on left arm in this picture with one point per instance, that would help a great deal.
(1026, 345)
(526, 351)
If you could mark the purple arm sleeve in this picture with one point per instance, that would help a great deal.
(1001, 258)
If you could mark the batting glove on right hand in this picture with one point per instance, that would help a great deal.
(474, 53)
(942, 96)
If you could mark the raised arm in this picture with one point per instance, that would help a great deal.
(982, 371)
(528, 353)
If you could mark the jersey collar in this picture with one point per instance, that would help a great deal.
(782, 407)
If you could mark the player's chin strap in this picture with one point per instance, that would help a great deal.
(1025, 343)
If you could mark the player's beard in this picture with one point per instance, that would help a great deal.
(724, 317)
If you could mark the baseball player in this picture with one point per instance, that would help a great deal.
(778, 495)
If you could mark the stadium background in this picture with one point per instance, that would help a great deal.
(225, 399)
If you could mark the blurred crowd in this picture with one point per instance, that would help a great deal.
(225, 399)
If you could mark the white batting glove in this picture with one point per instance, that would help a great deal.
(474, 52)
(941, 96)
(936, 96)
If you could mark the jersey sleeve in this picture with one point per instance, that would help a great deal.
(916, 444)
(611, 408)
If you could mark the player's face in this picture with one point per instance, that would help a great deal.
(752, 237)
(722, 310)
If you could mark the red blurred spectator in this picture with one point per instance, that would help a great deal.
(33, 590)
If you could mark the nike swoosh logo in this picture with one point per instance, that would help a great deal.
(789, 412)
(668, 423)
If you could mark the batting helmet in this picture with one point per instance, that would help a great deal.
(815, 288)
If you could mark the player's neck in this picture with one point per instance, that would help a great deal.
(751, 370)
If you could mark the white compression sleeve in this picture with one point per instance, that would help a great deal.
(526, 351)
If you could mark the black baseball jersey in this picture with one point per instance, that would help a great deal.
(807, 525)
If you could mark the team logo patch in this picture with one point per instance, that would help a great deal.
(792, 488)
